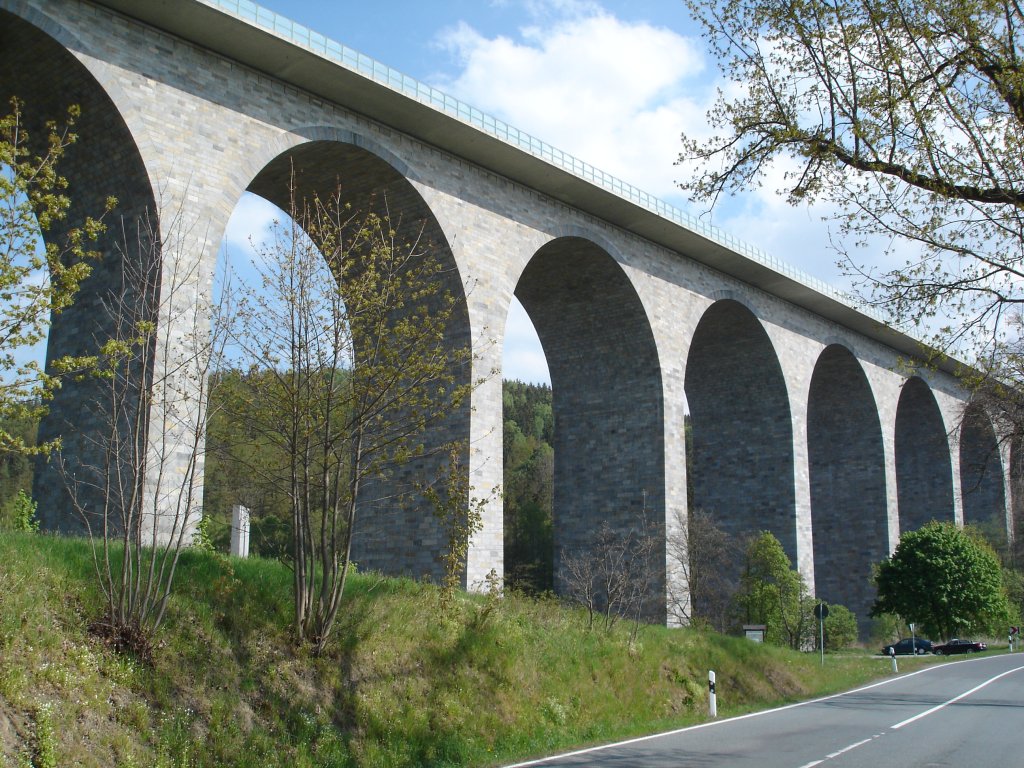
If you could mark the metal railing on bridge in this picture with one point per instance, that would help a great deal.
(353, 60)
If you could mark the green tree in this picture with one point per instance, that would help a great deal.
(1013, 584)
(15, 466)
(350, 322)
(906, 115)
(460, 516)
(36, 282)
(773, 594)
(944, 579)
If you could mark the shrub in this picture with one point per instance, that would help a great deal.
(23, 510)
(840, 628)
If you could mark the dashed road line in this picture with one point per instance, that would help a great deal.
(955, 699)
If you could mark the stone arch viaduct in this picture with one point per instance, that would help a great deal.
(802, 421)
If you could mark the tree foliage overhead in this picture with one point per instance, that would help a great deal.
(945, 579)
(35, 282)
(908, 115)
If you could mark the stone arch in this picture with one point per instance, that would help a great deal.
(981, 471)
(924, 474)
(742, 427)
(607, 400)
(37, 66)
(280, 148)
(395, 538)
(265, 169)
(846, 463)
(595, 237)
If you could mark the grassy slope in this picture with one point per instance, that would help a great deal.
(398, 687)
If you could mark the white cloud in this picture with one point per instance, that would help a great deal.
(614, 93)
(618, 95)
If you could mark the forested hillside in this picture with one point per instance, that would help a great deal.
(243, 467)
(529, 471)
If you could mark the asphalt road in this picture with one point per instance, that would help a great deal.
(966, 714)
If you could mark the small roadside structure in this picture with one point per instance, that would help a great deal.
(755, 632)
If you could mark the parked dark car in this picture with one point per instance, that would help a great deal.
(958, 646)
(907, 646)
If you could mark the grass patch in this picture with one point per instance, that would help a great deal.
(398, 686)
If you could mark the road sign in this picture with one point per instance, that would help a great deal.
(821, 611)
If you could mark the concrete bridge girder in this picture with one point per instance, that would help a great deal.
(206, 128)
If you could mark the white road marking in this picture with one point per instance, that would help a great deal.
(847, 749)
(713, 723)
(955, 699)
(839, 752)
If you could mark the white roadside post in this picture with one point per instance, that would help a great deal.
(712, 695)
(892, 655)
(239, 531)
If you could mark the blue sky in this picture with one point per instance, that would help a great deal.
(612, 82)
(408, 35)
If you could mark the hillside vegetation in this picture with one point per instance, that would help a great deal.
(239, 461)
(399, 685)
